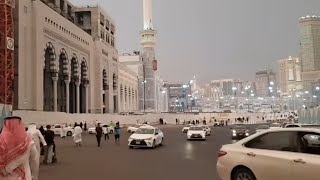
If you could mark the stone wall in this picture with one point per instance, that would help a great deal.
(44, 118)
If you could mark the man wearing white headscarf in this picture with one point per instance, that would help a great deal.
(36, 136)
(77, 135)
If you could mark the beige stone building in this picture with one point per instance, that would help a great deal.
(289, 75)
(66, 60)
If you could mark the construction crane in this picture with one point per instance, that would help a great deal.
(6, 52)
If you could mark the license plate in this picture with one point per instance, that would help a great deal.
(137, 142)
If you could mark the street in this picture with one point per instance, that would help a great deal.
(176, 159)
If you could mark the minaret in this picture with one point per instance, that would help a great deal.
(148, 41)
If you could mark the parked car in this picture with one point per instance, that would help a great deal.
(239, 131)
(196, 132)
(57, 129)
(282, 153)
(132, 129)
(292, 125)
(146, 136)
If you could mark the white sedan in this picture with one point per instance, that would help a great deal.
(283, 153)
(110, 129)
(132, 129)
(146, 136)
(207, 129)
(186, 128)
(57, 129)
(196, 132)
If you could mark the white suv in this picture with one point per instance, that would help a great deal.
(284, 153)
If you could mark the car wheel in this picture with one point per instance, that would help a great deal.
(130, 147)
(154, 144)
(243, 174)
(161, 142)
(69, 133)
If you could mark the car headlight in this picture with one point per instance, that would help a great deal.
(234, 131)
(189, 134)
(148, 139)
(130, 139)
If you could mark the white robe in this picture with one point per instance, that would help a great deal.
(77, 135)
(30, 163)
(36, 136)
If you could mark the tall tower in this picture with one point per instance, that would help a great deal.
(148, 41)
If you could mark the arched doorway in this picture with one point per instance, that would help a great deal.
(72, 86)
(63, 75)
(83, 86)
(105, 89)
(49, 71)
(115, 99)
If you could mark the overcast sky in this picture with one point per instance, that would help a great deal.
(213, 39)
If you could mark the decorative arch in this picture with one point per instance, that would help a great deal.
(74, 80)
(84, 82)
(63, 74)
(49, 72)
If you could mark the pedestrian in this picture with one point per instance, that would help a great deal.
(75, 124)
(49, 151)
(77, 138)
(176, 121)
(62, 131)
(36, 136)
(98, 134)
(106, 133)
(19, 155)
(85, 126)
(117, 133)
(81, 125)
(41, 129)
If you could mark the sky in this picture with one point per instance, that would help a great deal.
(213, 39)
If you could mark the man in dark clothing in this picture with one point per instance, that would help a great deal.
(98, 134)
(50, 149)
(81, 125)
(85, 126)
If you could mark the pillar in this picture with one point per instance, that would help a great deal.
(67, 96)
(55, 94)
(87, 98)
(78, 97)
(106, 98)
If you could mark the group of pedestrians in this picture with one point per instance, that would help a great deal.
(104, 131)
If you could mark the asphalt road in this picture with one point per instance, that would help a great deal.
(176, 159)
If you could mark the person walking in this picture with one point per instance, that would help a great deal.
(106, 133)
(36, 136)
(19, 155)
(49, 151)
(98, 134)
(77, 138)
(117, 133)
(81, 125)
(85, 126)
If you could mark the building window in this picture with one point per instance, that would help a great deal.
(101, 19)
(107, 24)
(80, 19)
(112, 29)
(62, 5)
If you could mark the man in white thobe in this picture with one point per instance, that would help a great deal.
(77, 135)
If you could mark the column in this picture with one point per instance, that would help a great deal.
(55, 94)
(78, 97)
(67, 96)
(87, 98)
(106, 99)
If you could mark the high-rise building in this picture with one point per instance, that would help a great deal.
(289, 75)
(310, 49)
(265, 83)
(148, 41)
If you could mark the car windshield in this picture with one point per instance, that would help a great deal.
(144, 131)
(196, 129)
(263, 127)
(239, 126)
(275, 125)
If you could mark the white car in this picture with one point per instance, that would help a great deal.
(283, 153)
(292, 125)
(207, 129)
(57, 130)
(275, 126)
(196, 132)
(92, 130)
(146, 136)
(132, 129)
(186, 128)
(261, 128)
